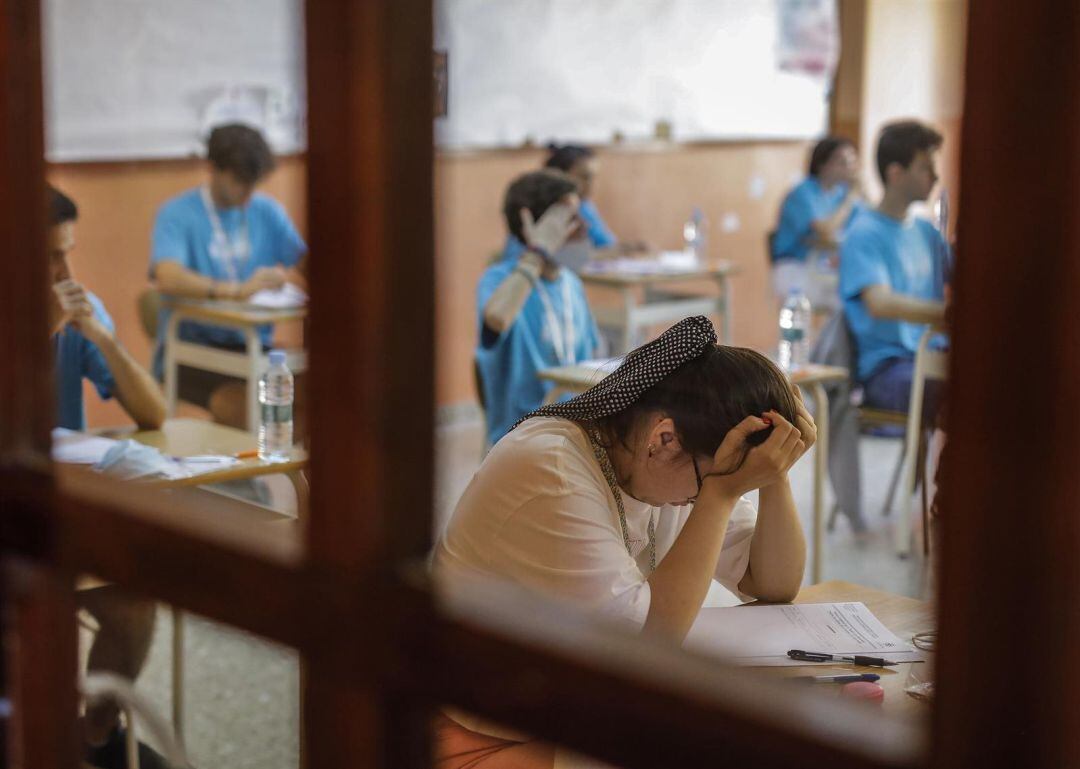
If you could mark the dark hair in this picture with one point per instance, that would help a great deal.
(241, 150)
(536, 191)
(708, 396)
(61, 208)
(564, 157)
(900, 141)
(824, 150)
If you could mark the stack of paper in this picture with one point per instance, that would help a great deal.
(286, 297)
(761, 636)
(78, 448)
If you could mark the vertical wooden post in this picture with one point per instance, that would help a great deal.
(370, 194)
(1008, 669)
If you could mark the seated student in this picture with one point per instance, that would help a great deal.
(628, 500)
(892, 268)
(579, 163)
(813, 218)
(532, 312)
(222, 240)
(87, 349)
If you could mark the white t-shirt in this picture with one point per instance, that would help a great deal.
(539, 513)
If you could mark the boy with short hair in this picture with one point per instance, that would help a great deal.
(892, 267)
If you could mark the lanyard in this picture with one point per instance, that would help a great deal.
(228, 251)
(562, 339)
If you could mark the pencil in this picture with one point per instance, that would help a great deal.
(249, 454)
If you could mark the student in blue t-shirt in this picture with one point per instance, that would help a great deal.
(532, 311)
(84, 340)
(86, 348)
(222, 240)
(813, 218)
(892, 268)
(579, 163)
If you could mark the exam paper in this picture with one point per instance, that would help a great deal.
(286, 297)
(759, 636)
(77, 448)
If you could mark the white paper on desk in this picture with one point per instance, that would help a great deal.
(284, 298)
(206, 463)
(626, 266)
(760, 636)
(71, 447)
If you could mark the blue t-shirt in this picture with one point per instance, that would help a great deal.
(599, 234)
(806, 203)
(508, 363)
(183, 233)
(78, 358)
(905, 256)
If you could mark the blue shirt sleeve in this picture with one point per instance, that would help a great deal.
(169, 239)
(600, 234)
(861, 265)
(92, 361)
(796, 217)
(288, 246)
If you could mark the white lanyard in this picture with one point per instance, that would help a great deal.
(231, 252)
(562, 339)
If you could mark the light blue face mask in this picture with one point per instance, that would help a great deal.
(574, 254)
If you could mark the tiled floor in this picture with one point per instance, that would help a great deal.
(242, 693)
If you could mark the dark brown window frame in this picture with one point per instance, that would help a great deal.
(379, 652)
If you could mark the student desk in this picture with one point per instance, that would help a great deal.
(812, 378)
(248, 365)
(903, 616)
(190, 437)
(659, 306)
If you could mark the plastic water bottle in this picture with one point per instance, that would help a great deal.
(794, 331)
(276, 405)
(694, 234)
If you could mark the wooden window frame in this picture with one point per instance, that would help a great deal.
(379, 652)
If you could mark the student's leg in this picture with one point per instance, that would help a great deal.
(121, 645)
(890, 388)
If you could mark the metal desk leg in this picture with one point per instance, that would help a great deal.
(303, 493)
(255, 370)
(821, 468)
(629, 300)
(178, 674)
(172, 335)
(725, 297)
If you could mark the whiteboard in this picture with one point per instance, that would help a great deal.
(129, 79)
(583, 70)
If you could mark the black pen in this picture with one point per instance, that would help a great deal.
(799, 654)
(843, 679)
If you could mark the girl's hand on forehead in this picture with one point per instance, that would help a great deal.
(741, 468)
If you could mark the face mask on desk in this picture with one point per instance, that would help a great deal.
(573, 255)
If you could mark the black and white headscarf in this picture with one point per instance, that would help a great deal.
(642, 368)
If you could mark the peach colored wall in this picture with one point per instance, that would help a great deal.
(117, 203)
(644, 194)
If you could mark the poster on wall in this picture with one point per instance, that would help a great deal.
(533, 71)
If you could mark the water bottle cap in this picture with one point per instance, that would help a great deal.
(277, 357)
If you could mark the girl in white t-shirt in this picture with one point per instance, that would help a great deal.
(628, 501)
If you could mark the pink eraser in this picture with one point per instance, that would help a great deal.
(864, 690)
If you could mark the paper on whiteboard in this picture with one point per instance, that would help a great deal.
(762, 635)
(286, 297)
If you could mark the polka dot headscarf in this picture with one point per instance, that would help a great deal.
(642, 368)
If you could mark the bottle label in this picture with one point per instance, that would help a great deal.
(272, 414)
(793, 335)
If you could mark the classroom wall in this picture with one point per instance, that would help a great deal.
(914, 67)
(117, 203)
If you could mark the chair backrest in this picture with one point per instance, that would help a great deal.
(770, 244)
(835, 345)
(149, 304)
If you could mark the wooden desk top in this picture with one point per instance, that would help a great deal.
(582, 376)
(903, 616)
(710, 270)
(190, 437)
(232, 313)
